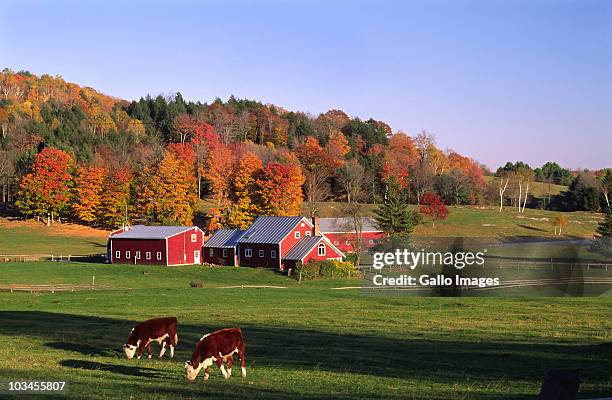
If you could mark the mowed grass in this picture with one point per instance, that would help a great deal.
(30, 237)
(303, 341)
(472, 221)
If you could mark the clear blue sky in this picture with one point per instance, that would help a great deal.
(495, 80)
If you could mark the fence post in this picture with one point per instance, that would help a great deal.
(93, 282)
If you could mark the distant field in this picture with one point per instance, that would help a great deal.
(470, 221)
(539, 189)
(31, 237)
(304, 341)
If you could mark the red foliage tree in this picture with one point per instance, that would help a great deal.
(433, 207)
(47, 188)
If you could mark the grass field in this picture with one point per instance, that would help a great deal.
(305, 340)
(471, 221)
(30, 237)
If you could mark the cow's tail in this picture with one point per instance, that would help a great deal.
(175, 339)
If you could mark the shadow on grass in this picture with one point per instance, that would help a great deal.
(532, 228)
(116, 369)
(447, 362)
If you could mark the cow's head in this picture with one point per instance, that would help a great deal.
(190, 371)
(130, 350)
(193, 371)
(131, 345)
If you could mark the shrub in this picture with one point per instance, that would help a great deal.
(325, 269)
(344, 269)
(196, 284)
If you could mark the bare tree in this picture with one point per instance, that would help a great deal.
(502, 185)
(352, 178)
(317, 188)
(354, 219)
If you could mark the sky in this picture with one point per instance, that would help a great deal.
(495, 80)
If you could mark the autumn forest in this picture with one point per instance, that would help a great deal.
(71, 152)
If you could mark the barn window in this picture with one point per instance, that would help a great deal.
(138, 255)
(272, 253)
(194, 238)
(308, 233)
(348, 243)
(148, 255)
(336, 243)
(261, 253)
(297, 234)
(128, 254)
(159, 255)
(224, 253)
(211, 252)
(117, 254)
(321, 249)
(371, 241)
(248, 252)
(302, 224)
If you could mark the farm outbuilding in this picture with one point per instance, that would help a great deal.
(220, 248)
(155, 245)
(313, 248)
(341, 232)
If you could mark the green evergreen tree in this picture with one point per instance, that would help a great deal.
(394, 217)
(604, 229)
(603, 240)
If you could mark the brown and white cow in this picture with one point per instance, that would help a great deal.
(218, 347)
(160, 330)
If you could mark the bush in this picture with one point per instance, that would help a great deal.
(196, 284)
(325, 269)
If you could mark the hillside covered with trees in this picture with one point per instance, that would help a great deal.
(72, 152)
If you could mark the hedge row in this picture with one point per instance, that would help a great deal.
(324, 270)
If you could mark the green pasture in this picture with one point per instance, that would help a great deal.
(472, 221)
(303, 341)
(27, 240)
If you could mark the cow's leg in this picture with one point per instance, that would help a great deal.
(242, 363)
(149, 350)
(206, 373)
(230, 363)
(139, 351)
(219, 362)
(163, 349)
(172, 342)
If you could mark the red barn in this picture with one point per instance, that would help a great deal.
(313, 248)
(220, 248)
(341, 232)
(156, 245)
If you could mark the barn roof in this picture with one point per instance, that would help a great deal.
(330, 225)
(151, 232)
(270, 229)
(305, 245)
(224, 238)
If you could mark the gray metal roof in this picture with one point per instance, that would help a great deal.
(345, 225)
(151, 232)
(269, 230)
(302, 248)
(224, 238)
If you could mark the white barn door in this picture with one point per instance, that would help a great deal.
(196, 256)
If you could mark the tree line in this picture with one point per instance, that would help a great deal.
(73, 152)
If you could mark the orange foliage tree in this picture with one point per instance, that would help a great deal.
(46, 189)
(245, 208)
(280, 188)
(400, 156)
(87, 193)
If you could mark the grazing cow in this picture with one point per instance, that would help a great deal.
(218, 347)
(160, 330)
